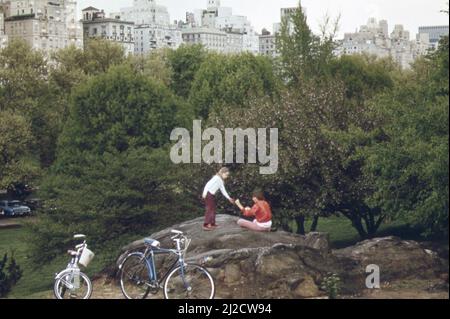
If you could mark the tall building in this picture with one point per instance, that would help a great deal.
(268, 44)
(96, 25)
(150, 37)
(146, 12)
(216, 21)
(434, 33)
(153, 29)
(44, 25)
(212, 39)
(374, 39)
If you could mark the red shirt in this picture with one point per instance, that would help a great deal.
(261, 211)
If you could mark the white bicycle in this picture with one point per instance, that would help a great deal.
(71, 283)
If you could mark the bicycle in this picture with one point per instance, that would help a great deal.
(71, 283)
(138, 273)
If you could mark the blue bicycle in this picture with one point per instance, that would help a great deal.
(139, 277)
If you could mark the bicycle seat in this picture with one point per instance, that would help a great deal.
(152, 242)
(79, 236)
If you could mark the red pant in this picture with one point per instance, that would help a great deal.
(210, 216)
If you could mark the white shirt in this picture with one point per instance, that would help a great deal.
(214, 185)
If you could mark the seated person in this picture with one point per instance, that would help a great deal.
(261, 212)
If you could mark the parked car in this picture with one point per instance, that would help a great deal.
(14, 208)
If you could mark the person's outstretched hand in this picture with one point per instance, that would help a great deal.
(238, 204)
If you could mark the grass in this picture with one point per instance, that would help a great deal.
(37, 282)
(34, 279)
(342, 234)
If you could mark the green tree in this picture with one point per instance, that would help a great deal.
(155, 65)
(118, 110)
(304, 55)
(231, 80)
(407, 155)
(184, 63)
(24, 89)
(23, 74)
(101, 54)
(115, 198)
(317, 175)
(16, 161)
(364, 76)
(113, 177)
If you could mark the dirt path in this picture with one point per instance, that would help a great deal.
(409, 289)
(15, 222)
(9, 223)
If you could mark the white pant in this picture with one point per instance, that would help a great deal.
(267, 225)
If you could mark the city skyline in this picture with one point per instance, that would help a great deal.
(354, 13)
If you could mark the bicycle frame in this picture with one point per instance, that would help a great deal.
(72, 268)
(149, 256)
(67, 276)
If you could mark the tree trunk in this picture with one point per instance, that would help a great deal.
(300, 220)
(285, 225)
(372, 224)
(315, 223)
(357, 223)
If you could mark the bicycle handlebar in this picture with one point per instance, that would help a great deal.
(177, 234)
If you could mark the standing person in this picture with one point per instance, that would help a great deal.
(261, 212)
(212, 187)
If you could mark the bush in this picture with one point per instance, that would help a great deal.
(10, 274)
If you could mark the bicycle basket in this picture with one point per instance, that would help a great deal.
(86, 257)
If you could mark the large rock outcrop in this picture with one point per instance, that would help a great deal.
(247, 264)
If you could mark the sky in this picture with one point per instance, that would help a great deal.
(354, 13)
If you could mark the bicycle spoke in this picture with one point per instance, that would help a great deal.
(73, 287)
(193, 282)
(134, 278)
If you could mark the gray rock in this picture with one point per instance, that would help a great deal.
(247, 264)
(396, 258)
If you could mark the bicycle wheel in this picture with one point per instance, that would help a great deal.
(70, 285)
(189, 282)
(134, 277)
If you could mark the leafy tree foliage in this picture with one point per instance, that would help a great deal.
(101, 54)
(24, 91)
(184, 63)
(113, 175)
(364, 76)
(304, 55)
(407, 155)
(315, 177)
(16, 161)
(155, 65)
(231, 80)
